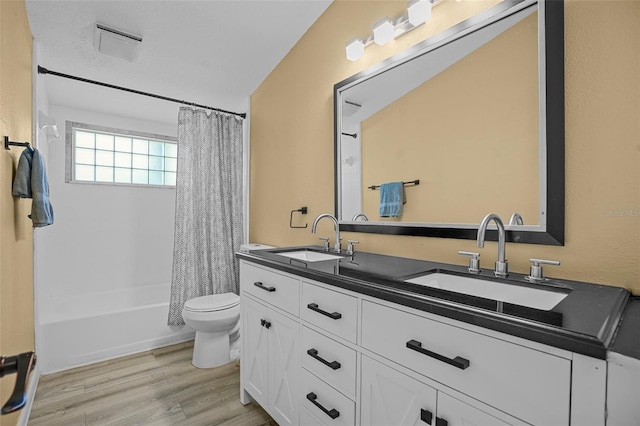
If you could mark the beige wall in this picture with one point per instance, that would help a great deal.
(444, 133)
(292, 141)
(16, 235)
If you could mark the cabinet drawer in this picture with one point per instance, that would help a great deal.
(330, 310)
(523, 382)
(328, 405)
(279, 290)
(331, 361)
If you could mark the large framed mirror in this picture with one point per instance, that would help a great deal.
(471, 120)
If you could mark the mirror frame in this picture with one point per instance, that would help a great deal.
(552, 233)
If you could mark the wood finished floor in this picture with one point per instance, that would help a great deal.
(158, 387)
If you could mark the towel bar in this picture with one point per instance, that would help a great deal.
(353, 135)
(412, 182)
(302, 210)
(8, 143)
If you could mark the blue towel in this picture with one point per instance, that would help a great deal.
(392, 197)
(22, 180)
(31, 182)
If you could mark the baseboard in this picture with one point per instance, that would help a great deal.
(23, 420)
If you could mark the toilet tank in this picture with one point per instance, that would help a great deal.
(254, 246)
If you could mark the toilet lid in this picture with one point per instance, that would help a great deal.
(213, 302)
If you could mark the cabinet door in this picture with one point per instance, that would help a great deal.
(307, 419)
(393, 398)
(255, 350)
(284, 368)
(452, 412)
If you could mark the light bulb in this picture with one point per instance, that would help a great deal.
(355, 49)
(383, 31)
(419, 11)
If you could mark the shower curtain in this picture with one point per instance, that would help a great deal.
(208, 224)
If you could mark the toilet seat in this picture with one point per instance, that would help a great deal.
(212, 303)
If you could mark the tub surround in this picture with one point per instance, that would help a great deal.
(584, 322)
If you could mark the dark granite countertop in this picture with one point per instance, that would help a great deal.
(584, 321)
(627, 339)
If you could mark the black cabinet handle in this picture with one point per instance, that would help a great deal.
(265, 324)
(260, 285)
(458, 362)
(333, 413)
(314, 307)
(314, 354)
(441, 422)
(426, 416)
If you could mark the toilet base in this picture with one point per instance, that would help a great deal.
(211, 349)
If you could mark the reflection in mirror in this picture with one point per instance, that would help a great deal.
(467, 114)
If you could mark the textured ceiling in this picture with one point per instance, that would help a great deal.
(212, 52)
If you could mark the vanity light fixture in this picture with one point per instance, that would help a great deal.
(386, 29)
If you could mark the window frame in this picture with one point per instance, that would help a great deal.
(70, 161)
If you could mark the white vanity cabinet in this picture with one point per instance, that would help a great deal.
(317, 354)
(270, 361)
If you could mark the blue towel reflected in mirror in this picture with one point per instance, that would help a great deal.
(392, 198)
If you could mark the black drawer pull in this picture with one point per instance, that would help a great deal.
(333, 413)
(314, 307)
(260, 285)
(441, 422)
(458, 362)
(314, 354)
(426, 416)
(265, 324)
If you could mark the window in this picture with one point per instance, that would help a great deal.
(110, 156)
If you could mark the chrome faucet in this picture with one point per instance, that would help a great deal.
(502, 269)
(360, 215)
(516, 219)
(336, 247)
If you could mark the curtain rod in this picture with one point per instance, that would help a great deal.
(42, 70)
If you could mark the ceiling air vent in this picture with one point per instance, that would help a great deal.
(113, 42)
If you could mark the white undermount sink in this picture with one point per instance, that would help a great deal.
(309, 256)
(537, 298)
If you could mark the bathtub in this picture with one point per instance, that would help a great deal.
(80, 330)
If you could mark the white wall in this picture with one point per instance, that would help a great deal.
(104, 237)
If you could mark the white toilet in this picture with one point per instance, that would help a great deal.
(216, 320)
